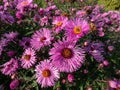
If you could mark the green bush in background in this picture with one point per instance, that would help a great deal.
(110, 4)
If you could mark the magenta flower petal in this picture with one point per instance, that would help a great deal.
(66, 56)
(10, 67)
(41, 38)
(77, 28)
(28, 59)
(59, 22)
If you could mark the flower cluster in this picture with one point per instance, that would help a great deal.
(49, 47)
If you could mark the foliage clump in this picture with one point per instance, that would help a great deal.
(110, 4)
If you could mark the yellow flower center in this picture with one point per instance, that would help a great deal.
(59, 24)
(92, 26)
(27, 57)
(67, 53)
(77, 30)
(24, 3)
(42, 39)
(65, 14)
(46, 73)
(117, 88)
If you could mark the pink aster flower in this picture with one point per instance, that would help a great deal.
(28, 58)
(10, 67)
(114, 84)
(41, 38)
(46, 74)
(23, 3)
(66, 56)
(59, 22)
(77, 28)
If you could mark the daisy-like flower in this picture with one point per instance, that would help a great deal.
(23, 3)
(28, 58)
(25, 42)
(46, 73)
(77, 28)
(41, 38)
(59, 22)
(66, 56)
(96, 49)
(10, 67)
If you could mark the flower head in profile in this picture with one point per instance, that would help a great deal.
(41, 38)
(96, 49)
(66, 56)
(59, 22)
(10, 67)
(77, 28)
(28, 58)
(10, 36)
(46, 74)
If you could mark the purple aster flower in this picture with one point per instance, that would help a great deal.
(46, 74)
(66, 56)
(7, 18)
(59, 22)
(10, 67)
(14, 84)
(77, 28)
(25, 42)
(28, 58)
(41, 38)
(11, 35)
(96, 49)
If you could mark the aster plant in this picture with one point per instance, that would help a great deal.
(75, 47)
